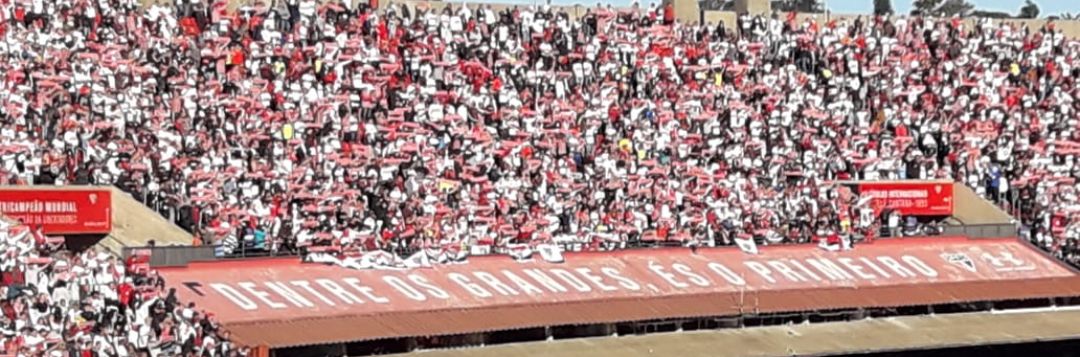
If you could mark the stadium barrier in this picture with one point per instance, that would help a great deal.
(172, 256)
(990, 230)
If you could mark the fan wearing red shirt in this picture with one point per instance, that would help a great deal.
(124, 291)
(669, 13)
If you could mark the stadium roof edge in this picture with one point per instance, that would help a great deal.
(893, 334)
(328, 330)
(286, 326)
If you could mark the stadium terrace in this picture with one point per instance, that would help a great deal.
(485, 141)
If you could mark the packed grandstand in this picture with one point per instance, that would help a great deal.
(345, 129)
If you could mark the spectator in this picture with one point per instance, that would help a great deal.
(322, 126)
(91, 303)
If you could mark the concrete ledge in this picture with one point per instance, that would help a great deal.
(134, 225)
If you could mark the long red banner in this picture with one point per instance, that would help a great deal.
(918, 198)
(60, 211)
(287, 289)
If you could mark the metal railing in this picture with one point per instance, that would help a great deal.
(991, 230)
(172, 256)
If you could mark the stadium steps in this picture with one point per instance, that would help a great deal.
(134, 225)
(970, 209)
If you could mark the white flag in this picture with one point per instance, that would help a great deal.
(322, 258)
(456, 254)
(551, 253)
(845, 242)
(354, 263)
(462, 257)
(418, 260)
(442, 257)
(747, 245)
(378, 259)
(480, 249)
(824, 244)
(520, 252)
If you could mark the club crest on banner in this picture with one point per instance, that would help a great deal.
(747, 244)
(961, 260)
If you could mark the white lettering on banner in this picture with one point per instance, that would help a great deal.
(919, 265)
(761, 269)
(571, 280)
(365, 290)
(261, 295)
(785, 271)
(624, 281)
(670, 278)
(595, 279)
(335, 289)
(900, 270)
(896, 193)
(877, 269)
(432, 290)
(803, 269)
(545, 280)
(15, 207)
(524, 285)
(808, 272)
(235, 296)
(494, 283)
(404, 288)
(858, 270)
(829, 269)
(727, 274)
(1009, 257)
(307, 286)
(1006, 262)
(289, 294)
(466, 284)
(694, 278)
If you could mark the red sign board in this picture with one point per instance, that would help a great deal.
(281, 289)
(62, 211)
(911, 198)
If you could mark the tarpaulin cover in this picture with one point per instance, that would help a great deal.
(284, 303)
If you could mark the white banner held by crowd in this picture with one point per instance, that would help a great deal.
(520, 252)
(418, 260)
(379, 259)
(551, 253)
(844, 244)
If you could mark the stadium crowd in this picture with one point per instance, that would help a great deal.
(335, 125)
(57, 303)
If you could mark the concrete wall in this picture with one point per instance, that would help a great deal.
(753, 6)
(716, 17)
(134, 225)
(1071, 28)
(970, 209)
(685, 10)
(573, 11)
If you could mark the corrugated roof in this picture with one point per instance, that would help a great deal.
(299, 332)
(853, 337)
